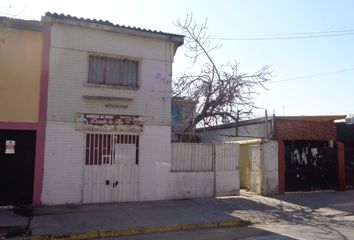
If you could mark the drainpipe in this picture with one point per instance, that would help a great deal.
(214, 167)
(265, 124)
(262, 167)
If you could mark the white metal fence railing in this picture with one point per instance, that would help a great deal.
(226, 156)
(202, 157)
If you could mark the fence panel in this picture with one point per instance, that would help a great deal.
(255, 181)
(192, 157)
(199, 157)
(226, 156)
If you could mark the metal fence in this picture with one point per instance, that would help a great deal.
(196, 157)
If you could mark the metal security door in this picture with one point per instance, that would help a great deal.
(310, 165)
(125, 177)
(17, 157)
(255, 169)
(111, 168)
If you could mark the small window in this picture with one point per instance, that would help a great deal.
(113, 71)
(176, 113)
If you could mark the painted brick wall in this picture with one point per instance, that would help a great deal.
(64, 154)
(155, 163)
(70, 48)
(304, 130)
(102, 41)
(64, 159)
(63, 166)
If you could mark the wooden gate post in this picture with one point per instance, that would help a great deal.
(341, 166)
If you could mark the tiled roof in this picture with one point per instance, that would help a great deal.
(107, 23)
(20, 23)
(18, 20)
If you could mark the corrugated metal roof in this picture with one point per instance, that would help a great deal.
(107, 23)
(315, 118)
(234, 124)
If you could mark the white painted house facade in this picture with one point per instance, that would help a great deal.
(107, 137)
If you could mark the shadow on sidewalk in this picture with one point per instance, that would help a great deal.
(342, 201)
(315, 210)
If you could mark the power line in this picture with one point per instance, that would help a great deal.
(232, 38)
(286, 34)
(311, 76)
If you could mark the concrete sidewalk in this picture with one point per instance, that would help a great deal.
(119, 219)
(316, 215)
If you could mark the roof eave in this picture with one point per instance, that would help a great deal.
(176, 39)
(318, 118)
(30, 25)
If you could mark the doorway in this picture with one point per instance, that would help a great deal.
(17, 158)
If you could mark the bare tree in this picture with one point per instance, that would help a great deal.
(223, 94)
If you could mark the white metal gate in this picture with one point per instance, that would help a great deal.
(111, 168)
(255, 168)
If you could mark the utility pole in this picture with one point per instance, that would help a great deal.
(265, 124)
(237, 118)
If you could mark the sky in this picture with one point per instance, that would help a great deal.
(311, 76)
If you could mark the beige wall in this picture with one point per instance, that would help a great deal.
(20, 64)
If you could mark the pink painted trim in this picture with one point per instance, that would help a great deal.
(42, 117)
(43, 97)
(19, 126)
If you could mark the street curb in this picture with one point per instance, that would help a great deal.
(141, 230)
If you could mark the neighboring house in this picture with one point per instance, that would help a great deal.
(243, 130)
(109, 112)
(23, 99)
(309, 155)
(183, 113)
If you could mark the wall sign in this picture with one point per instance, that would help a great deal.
(108, 122)
(10, 147)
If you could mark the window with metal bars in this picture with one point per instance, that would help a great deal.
(100, 147)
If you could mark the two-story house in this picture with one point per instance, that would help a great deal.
(108, 128)
(23, 99)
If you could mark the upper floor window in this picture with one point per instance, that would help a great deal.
(176, 113)
(113, 71)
